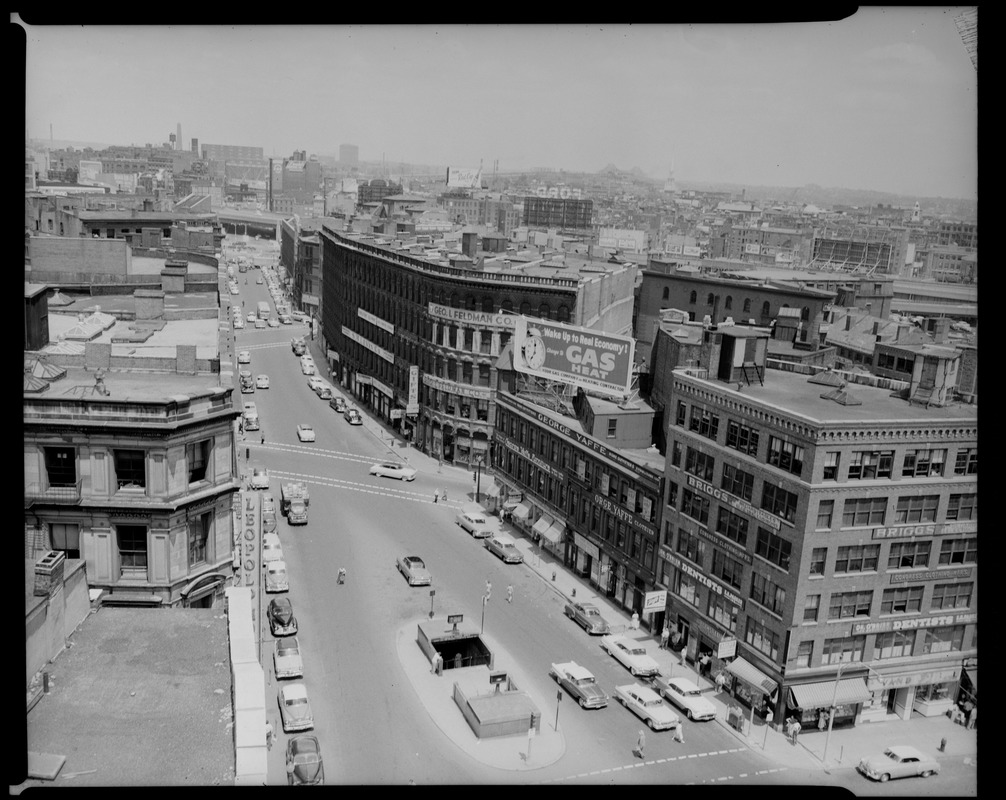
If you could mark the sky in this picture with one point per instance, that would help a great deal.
(884, 100)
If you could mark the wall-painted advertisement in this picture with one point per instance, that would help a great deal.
(464, 178)
(579, 356)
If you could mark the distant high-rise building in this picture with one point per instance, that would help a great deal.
(349, 154)
(195, 147)
(178, 136)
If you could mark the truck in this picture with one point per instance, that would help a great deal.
(294, 500)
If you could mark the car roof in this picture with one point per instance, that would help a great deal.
(294, 690)
(305, 744)
(413, 558)
(906, 751)
(288, 641)
(643, 692)
(504, 538)
(276, 566)
(577, 672)
(281, 601)
(682, 683)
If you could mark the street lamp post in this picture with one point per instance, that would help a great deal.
(478, 477)
(834, 701)
(485, 602)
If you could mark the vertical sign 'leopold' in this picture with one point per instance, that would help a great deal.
(580, 356)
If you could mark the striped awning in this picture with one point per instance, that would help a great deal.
(543, 524)
(522, 510)
(555, 532)
(751, 675)
(822, 695)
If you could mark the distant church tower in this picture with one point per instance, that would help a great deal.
(916, 213)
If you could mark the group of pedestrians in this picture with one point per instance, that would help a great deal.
(438, 494)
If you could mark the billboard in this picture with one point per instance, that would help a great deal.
(464, 178)
(579, 356)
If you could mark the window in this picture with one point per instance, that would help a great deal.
(691, 546)
(742, 438)
(747, 306)
(869, 464)
(65, 538)
(963, 506)
(959, 551)
(785, 455)
(903, 600)
(923, 463)
(766, 309)
(838, 651)
(733, 526)
(864, 511)
(966, 462)
(704, 423)
(130, 469)
(727, 569)
(198, 455)
(700, 464)
(672, 494)
(676, 455)
(199, 534)
(811, 608)
(778, 501)
(681, 413)
(908, 555)
(766, 593)
(132, 541)
(61, 466)
(951, 595)
(831, 465)
(722, 610)
(666, 294)
(818, 557)
(943, 640)
(612, 426)
(762, 638)
(686, 588)
(737, 482)
(895, 644)
(917, 509)
(825, 511)
(845, 605)
(710, 299)
(695, 506)
(728, 304)
(693, 297)
(804, 652)
(857, 558)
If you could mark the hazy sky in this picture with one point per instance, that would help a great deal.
(884, 100)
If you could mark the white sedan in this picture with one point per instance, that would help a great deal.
(647, 705)
(286, 658)
(272, 550)
(259, 478)
(390, 469)
(261, 381)
(631, 655)
(294, 708)
(474, 523)
(686, 696)
(307, 367)
(305, 433)
(244, 357)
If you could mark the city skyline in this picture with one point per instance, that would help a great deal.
(885, 100)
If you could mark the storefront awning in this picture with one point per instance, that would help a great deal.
(822, 695)
(751, 675)
(543, 524)
(521, 510)
(972, 678)
(555, 532)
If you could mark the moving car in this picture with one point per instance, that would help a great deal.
(352, 416)
(474, 523)
(687, 696)
(414, 570)
(261, 381)
(286, 658)
(631, 655)
(898, 761)
(391, 469)
(244, 357)
(272, 549)
(503, 545)
(647, 705)
(279, 612)
(275, 577)
(304, 766)
(338, 403)
(259, 478)
(580, 683)
(588, 617)
(294, 708)
(305, 433)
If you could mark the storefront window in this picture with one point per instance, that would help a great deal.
(686, 588)
(934, 692)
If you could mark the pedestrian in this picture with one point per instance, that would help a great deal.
(968, 708)
(263, 438)
(436, 495)
(444, 493)
(973, 719)
(489, 587)
(794, 730)
(822, 720)
(664, 636)
(342, 575)
(641, 744)
(509, 593)
(679, 733)
(721, 681)
(269, 735)
(704, 664)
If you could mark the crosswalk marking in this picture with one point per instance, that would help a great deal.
(666, 760)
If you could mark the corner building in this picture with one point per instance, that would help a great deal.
(414, 334)
(820, 542)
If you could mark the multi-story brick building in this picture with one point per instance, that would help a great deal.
(557, 212)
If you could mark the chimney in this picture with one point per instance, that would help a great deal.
(876, 328)
(848, 322)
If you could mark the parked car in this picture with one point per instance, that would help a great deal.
(307, 367)
(898, 761)
(687, 696)
(286, 659)
(391, 469)
(304, 766)
(305, 433)
(285, 319)
(239, 323)
(244, 356)
(414, 570)
(260, 323)
(268, 503)
(259, 478)
(338, 403)
(352, 416)
(315, 382)
(294, 708)
(273, 322)
(503, 545)
(272, 549)
(647, 705)
(580, 683)
(588, 617)
(275, 577)
(474, 523)
(630, 654)
(279, 612)
(252, 317)
(261, 381)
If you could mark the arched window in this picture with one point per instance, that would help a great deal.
(563, 313)
(765, 309)
(507, 305)
(487, 304)
(470, 302)
(543, 310)
(693, 297)
(805, 314)
(454, 300)
(729, 304)
(525, 307)
(709, 299)
(747, 306)
(667, 294)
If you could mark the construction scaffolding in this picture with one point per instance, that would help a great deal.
(861, 250)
